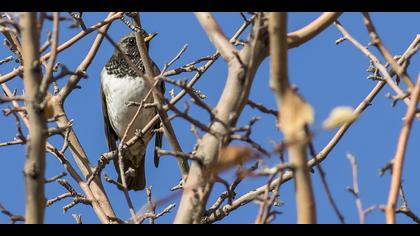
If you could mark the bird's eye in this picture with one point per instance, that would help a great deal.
(132, 41)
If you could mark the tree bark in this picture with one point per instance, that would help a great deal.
(35, 152)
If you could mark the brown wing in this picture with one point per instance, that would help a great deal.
(111, 136)
(158, 138)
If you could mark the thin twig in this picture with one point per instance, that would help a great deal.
(111, 18)
(167, 65)
(50, 68)
(262, 108)
(404, 209)
(55, 178)
(376, 40)
(77, 218)
(387, 77)
(80, 71)
(5, 60)
(355, 189)
(13, 218)
(325, 183)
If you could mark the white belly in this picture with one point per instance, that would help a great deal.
(119, 92)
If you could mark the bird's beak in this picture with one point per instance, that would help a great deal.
(150, 37)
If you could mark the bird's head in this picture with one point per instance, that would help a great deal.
(128, 43)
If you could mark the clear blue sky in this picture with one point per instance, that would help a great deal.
(327, 76)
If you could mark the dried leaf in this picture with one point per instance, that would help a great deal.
(295, 114)
(339, 116)
(232, 156)
(49, 109)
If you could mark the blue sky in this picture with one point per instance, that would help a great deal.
(327, 75)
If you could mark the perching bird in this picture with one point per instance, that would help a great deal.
(120, 84)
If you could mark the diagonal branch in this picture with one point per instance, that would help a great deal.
(216, 36)
(399, 154)
(376, 40)
(159, 100)
(375, 61)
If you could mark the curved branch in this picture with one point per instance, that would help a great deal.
(216, 36)
(301, 36)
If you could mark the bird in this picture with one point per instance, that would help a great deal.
(120, 85)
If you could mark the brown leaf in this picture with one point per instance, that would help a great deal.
(295, 114)
(49, 109)
(232, 156)
(340, 116)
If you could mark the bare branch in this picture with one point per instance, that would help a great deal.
(54, 44)
(375, 60)
(228, 109)
(100, 210)
(376, 40)
(65, 45)
(397, 167)
(71, 84)
(77, 218)
(355, 189)
(10, 99)
(166, 66)
(13, 218)
(296, 114)
(159, 99)
(5, 60)
(404, 209)
(35, 155)
(311, 30)
(55, 178)
(325, 183)
(216, 36)
(262, 108)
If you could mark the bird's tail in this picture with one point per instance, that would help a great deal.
(135, 176)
